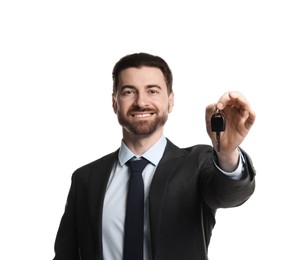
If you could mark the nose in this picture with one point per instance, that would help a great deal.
(141, 100)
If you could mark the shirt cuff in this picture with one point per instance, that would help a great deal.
(237, 174)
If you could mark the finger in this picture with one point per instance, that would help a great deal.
(250, 119)
(223, 101)
(232, 98)
(210, 109)
(242, 104)
(240, 99)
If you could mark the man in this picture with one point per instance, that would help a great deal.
(183, 188)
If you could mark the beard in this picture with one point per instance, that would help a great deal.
(142, 127)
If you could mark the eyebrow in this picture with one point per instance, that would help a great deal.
(127, 86)
(153, 86)
(148, 86)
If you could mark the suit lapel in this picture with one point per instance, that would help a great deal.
(99, 177)
(167, 165)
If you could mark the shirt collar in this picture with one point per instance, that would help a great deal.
(153, 154)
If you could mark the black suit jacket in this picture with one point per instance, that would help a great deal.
(185, 192)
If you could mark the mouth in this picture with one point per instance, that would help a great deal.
(142, 115)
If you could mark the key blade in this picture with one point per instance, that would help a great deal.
(218, 140)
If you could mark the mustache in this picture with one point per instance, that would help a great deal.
(138, 109)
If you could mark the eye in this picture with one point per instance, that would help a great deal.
(153, 91)
(128, 92)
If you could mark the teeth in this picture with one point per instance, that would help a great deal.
(142, 115)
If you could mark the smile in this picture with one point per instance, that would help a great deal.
(143, 115)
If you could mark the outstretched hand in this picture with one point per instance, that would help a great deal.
(239, 120)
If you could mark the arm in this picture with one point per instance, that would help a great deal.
(239, 173)
(221, 190)
(66, 245)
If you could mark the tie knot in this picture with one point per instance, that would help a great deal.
(138, 165)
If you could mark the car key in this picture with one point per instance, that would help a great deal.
(218, 126)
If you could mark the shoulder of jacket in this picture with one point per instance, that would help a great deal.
(96, 163)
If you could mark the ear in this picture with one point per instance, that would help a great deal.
(171, 102)
(114, 103)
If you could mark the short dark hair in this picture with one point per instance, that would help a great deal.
(138, 60)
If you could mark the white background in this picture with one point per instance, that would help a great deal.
(56, 59)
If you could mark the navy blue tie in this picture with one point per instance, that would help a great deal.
(134, 219)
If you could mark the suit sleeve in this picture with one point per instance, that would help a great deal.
(221, 191)
(66, 244)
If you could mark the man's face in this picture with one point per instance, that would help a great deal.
(142, 103)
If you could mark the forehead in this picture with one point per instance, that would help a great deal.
(141, 76)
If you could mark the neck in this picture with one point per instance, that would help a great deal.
(139, 144)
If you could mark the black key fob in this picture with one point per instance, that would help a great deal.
(217, 122)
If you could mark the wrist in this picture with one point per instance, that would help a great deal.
(228, 161)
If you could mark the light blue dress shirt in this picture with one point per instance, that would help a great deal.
(115, 199)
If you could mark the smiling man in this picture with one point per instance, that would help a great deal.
(150, 199)
(142, 102)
